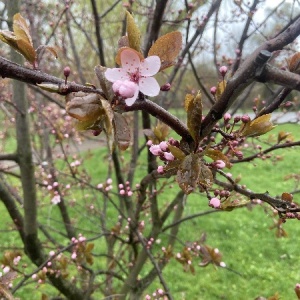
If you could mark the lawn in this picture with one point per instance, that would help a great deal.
(258, 263)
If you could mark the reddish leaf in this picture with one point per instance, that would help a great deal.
(257, 127)
(294, 63)
(122, 131)
(188, 173)
(167, 48)
(193, 107)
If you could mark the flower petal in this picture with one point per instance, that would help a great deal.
(150, 66)
(149, 86)
(130, 61)
(115, 74)
(130, 101)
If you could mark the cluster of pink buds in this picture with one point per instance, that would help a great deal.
(107, 186)
(125, 190)
(158, 294)
(162, 150)
(150, 243)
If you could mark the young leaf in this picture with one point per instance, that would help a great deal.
(193, 107)
(220, 89)
(294, 63)
(133, 32)
(84, 106)
(178, 153)
(167, 48)
(20, 39)
(122, 131)
(257, 127)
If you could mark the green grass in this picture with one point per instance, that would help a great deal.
(259, 264)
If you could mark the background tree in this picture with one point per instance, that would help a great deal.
(89, 225)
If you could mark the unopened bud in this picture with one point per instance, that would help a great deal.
(67, 71)
(166, 87)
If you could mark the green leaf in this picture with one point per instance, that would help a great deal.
(167, 48)
(133, 32)
(193, 107)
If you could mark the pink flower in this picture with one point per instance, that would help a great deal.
(134, 76)
(214, 202)
(160, 169)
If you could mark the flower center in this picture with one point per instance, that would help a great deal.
(135, 77)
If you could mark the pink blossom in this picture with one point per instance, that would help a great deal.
(214, 202)
(55, 200)
(134, 71)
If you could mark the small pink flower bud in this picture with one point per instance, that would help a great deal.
(149, 143)
(169, 156)
(214, 202)
(155, 150)
(125, 88)
(67, 71)
(223, 70)
(213, 90)
(237, 119)
(245, 119)
(227, 117)
(163, 146)
(166, 87)
(220, 164)
(160, 169)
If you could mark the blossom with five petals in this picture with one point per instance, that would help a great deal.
(136, 71)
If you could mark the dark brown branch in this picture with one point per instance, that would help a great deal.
(12, 70)
(98, 33)
(9, 156)
(275, 147)
(247, 73)
(163, 115)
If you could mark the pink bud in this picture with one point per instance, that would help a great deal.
(67, 71)
(166, 87)
(169, 156)
(163, 146)
(220, 164)
(245, 119)
(214, 202)
(223, 70)
(227, 117)
(213, 90)
(155, 150)
(125, 88)
(160, 169)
